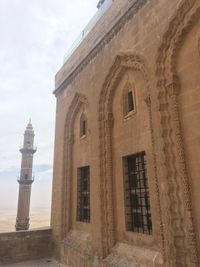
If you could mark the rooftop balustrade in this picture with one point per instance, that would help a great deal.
(102, 9)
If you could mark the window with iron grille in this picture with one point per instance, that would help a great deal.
(136, 190)
(83, 194)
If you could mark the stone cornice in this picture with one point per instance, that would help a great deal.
(133, 9)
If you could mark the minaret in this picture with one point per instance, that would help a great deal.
(25, 180)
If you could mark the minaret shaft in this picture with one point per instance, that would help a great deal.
(25, 180)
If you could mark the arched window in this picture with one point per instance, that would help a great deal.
(128, 100)
(83, 125)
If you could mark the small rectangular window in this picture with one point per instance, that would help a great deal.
(83, 194)
(136, 190)
(84, 127)
(130, 101)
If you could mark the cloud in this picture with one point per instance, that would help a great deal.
(10, 172)
(42, 168)
(35, 35)
(41, 187)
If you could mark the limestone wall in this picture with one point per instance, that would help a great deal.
(154, 47)
(25, 245)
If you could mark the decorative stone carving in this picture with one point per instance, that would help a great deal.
(176, 222)
(179, 229)
(148, 101)
(75, 106)
(121, 64)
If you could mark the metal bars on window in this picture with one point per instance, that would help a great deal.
(83, 197)
(137, 202)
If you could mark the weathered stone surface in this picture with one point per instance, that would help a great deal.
(48, 262)
(25, 245)
(153, 46)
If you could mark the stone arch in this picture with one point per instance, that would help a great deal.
(121, 63)
(73, 110)
(179, 233)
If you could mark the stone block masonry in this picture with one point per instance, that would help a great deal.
(25, 245)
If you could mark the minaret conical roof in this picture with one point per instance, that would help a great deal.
(29, 126)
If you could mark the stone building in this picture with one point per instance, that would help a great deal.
(126, 166)
(126, 169)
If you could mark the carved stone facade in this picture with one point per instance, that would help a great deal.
(154, 47)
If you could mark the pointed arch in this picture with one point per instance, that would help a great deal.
(185, 18)
(122, 63)
(78, 101)
(176, 196)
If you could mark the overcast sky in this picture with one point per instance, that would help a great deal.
(34, 37)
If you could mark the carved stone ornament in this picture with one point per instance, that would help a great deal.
(76, 104)
(176, 198)
(118, 69)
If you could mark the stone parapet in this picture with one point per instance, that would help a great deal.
(25, 245)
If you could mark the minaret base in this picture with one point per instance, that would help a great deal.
(22, 225)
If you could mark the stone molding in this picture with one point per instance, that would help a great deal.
(176, 223)
(129, 14)
(179, 230)
(74, 108)
(198, 45)
(121, 64)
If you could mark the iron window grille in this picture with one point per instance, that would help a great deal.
(136, 189)
(83, 198)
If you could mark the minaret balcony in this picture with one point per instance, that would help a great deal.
(25, 181)
(30, 150)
